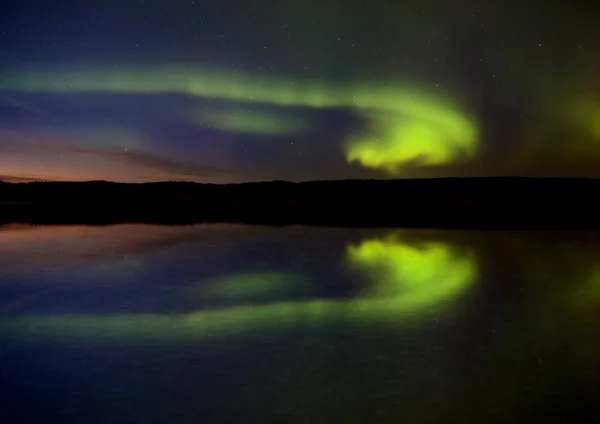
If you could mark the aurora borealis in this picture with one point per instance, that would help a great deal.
(228, 92)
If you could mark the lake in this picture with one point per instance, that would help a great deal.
(224, 323)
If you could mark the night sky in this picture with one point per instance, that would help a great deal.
(236, 90)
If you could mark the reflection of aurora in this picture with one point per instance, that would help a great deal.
(403, 279)
(414, 276)
(406, 124)
(587, 294)
(252, 285)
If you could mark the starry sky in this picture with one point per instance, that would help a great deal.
(232, 90)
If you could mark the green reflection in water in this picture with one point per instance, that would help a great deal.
(587, 294)
(402, 279)
(415, 276)
(251, 285)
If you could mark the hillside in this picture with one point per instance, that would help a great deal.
(448, 202)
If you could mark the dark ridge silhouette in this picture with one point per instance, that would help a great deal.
(494, 203)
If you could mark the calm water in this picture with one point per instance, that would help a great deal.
(231, 324)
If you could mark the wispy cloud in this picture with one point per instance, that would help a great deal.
(31, 140)
(26, 106)
(37, 152)
(154, 161)
(21, 179)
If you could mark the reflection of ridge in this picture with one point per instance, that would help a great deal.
(413, 280)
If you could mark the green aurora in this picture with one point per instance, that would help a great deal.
(245, 121)
(586, 114)
(407, 123)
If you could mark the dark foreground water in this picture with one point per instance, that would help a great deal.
(238, 324)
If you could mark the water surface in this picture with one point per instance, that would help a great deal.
(231, 323)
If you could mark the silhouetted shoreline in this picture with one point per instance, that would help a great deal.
(494, 203)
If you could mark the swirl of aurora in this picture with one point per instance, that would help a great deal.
(423, 133)
(407, 125)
